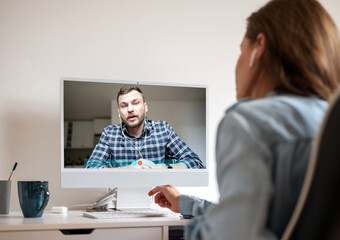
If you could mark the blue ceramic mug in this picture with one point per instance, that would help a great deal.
(33, 197)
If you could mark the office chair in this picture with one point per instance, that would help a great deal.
(317, 213)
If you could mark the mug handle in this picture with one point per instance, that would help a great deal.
(46, 198)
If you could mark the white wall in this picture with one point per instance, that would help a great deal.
(187, 41)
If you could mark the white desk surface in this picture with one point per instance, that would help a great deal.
(14, 221)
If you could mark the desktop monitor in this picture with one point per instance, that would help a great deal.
(88, 106)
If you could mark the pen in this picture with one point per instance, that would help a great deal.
(15, 166)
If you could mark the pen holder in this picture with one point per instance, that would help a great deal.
(5, 196)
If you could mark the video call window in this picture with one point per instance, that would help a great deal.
(90, 106)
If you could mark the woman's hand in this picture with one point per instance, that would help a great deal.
(167, 196)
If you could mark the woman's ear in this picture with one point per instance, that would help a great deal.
(261, 44)
(258, 51)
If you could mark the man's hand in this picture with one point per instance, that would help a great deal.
(136, 167)
(167, 196)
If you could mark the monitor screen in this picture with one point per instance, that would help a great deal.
(99, 150)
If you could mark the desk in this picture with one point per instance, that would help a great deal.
(74, 226)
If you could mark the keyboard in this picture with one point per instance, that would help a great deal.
(129, 213)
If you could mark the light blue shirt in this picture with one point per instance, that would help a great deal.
(262, 153)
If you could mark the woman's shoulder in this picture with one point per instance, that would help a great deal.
(274, 104)
(279, 115)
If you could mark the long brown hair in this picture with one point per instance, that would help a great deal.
(302, 47)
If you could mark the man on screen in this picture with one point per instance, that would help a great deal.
(138, 142)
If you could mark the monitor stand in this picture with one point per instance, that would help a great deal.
(133, 198)
(126, 198)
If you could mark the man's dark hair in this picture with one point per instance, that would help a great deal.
(127, 89)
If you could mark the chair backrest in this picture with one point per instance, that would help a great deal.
(317, 213)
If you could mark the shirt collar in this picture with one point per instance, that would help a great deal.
(271, 93)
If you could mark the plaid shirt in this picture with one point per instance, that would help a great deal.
(158, 142)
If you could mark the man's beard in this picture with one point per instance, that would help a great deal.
(135, 124)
